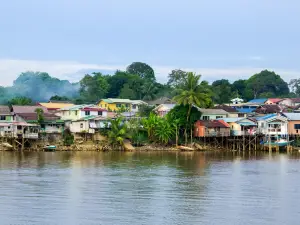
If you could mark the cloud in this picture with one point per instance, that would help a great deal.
(74, 71)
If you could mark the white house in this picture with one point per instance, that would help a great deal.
(237, 101)
(272, 124)
(77, 112)
(212, 114)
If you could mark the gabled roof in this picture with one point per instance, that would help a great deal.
(51, 105)
(213, 111)
(212, 123)
(258, 100)
(95, 108)
(5, 110)
(162, 100)
(34, 117)
(76, 107)
(274, 100)
(226, 108)
(18, 109)
(267, 109)
(164, 107)
(245, 110)
(296, 100)
(292, 116)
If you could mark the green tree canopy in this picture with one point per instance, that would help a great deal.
(222, 91)
(142, 69)
(20, 101)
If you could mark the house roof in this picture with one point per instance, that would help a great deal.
(213, 123)
(5, 110)
(34, 117)
(274, 100)
(226, 108)
(245, 110)
(292, 116)
(296, 100)
(17, 109)
(267, 109)
(162, 100)
(213, 111)
(76, 107)
(231, 120)
(51, 105)
(258, 100)
(96, 109)
(164, 107)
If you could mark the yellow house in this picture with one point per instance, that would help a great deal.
(55, 106)
(115, 104)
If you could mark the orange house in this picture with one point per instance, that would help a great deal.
(211, 128)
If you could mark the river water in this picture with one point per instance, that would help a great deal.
(149, 188)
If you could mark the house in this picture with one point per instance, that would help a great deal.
(273, 101)
(232, 112)
(293, 123)
(272, 124)
(212, 114)
(211, 128)
(269, 109)
(116, 104)
(162, 100)
(290, 102)
(79, 111)
(163, 109)
(241, 126)
(54, 106)
(236, 101)
(5, 114)
(27, 114)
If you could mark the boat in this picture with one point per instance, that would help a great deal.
(49, 148)
(280, 142)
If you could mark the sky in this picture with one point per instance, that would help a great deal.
(230, 39)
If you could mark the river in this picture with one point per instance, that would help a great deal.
(149, 188)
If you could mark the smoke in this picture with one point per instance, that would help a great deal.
(39, 86)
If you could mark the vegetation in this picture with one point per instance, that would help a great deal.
(40, 115)
(68, 137)
(118, 133)
(59, 98)
(20, 101)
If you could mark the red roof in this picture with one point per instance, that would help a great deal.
(274, 100)
(212, 123)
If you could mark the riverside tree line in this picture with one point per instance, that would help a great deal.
(139, 82)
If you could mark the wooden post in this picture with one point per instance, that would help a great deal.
(270, 149)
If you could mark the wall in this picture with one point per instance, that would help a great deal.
(287, 102)
(291, 129)
(233, 115)
(53, 128)
(69, 115)
(92, 113)
(112, 106)
(81, 126)
(7, 119)
(213, 117)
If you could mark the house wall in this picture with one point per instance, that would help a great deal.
(53, 128)
(263, 127)
(69, 115)
(114, 106)
(212, 117)
(291, 127)
(233, 115)
(81, 126)
(92, 113)
(199, 131)
(6, 118)
(287, 102)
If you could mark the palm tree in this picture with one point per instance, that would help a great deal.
(149, 124)
(118, 132)
(192, 93)
(164, 131)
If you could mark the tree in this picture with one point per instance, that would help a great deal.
(141, 69)
(295, 86)
(118, 132)
(266, 82)
(164, 131)
(68, 137)
(20, 101)
(93, 88)
(239, 87)
(177, 78)
(59, 98)
(145, 110)
(222, 91)
(127, 92)
(149, 124)
(40, 115)
(192, 93)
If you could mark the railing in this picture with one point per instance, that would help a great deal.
(241, 133)
(217, 133)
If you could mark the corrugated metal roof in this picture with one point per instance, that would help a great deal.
(4, 110)
(52, 105)
(265, 117)
(213, 111)
(245, 110)
(258, 100)
(292, 116)
(17, 109)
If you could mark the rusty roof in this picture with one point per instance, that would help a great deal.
(5, 110)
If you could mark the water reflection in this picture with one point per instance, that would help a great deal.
(148, 188)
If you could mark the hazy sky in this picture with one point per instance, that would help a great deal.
(218, 38)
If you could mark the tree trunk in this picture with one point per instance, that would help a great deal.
(176, 136)
(187, 121)
(191, 135)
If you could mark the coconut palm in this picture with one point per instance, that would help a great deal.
(192, 93)
(118, 132)
(149, 124)
(164, 131)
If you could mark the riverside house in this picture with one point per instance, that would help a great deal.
(272, 124)
(27, 114)
(163, 109)
(232, 112)
(116, 104)
(293, 123)
(241, 126)
(54, 106)
(77, 112)
(211, 128)
(212, 114)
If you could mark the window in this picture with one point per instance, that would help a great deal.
(87, 113)
(81, 125)
(127, 105)
(118, 105)
(2, 117)
(105, 105)
(101, 105)
(99, 113)
(262, 125)
(69, 113)
(205, 117)
(76, 113)
(240, 115)
(297, 126)
(218, 117)
(133, 106)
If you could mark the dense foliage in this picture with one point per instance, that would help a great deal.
(139, 82)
